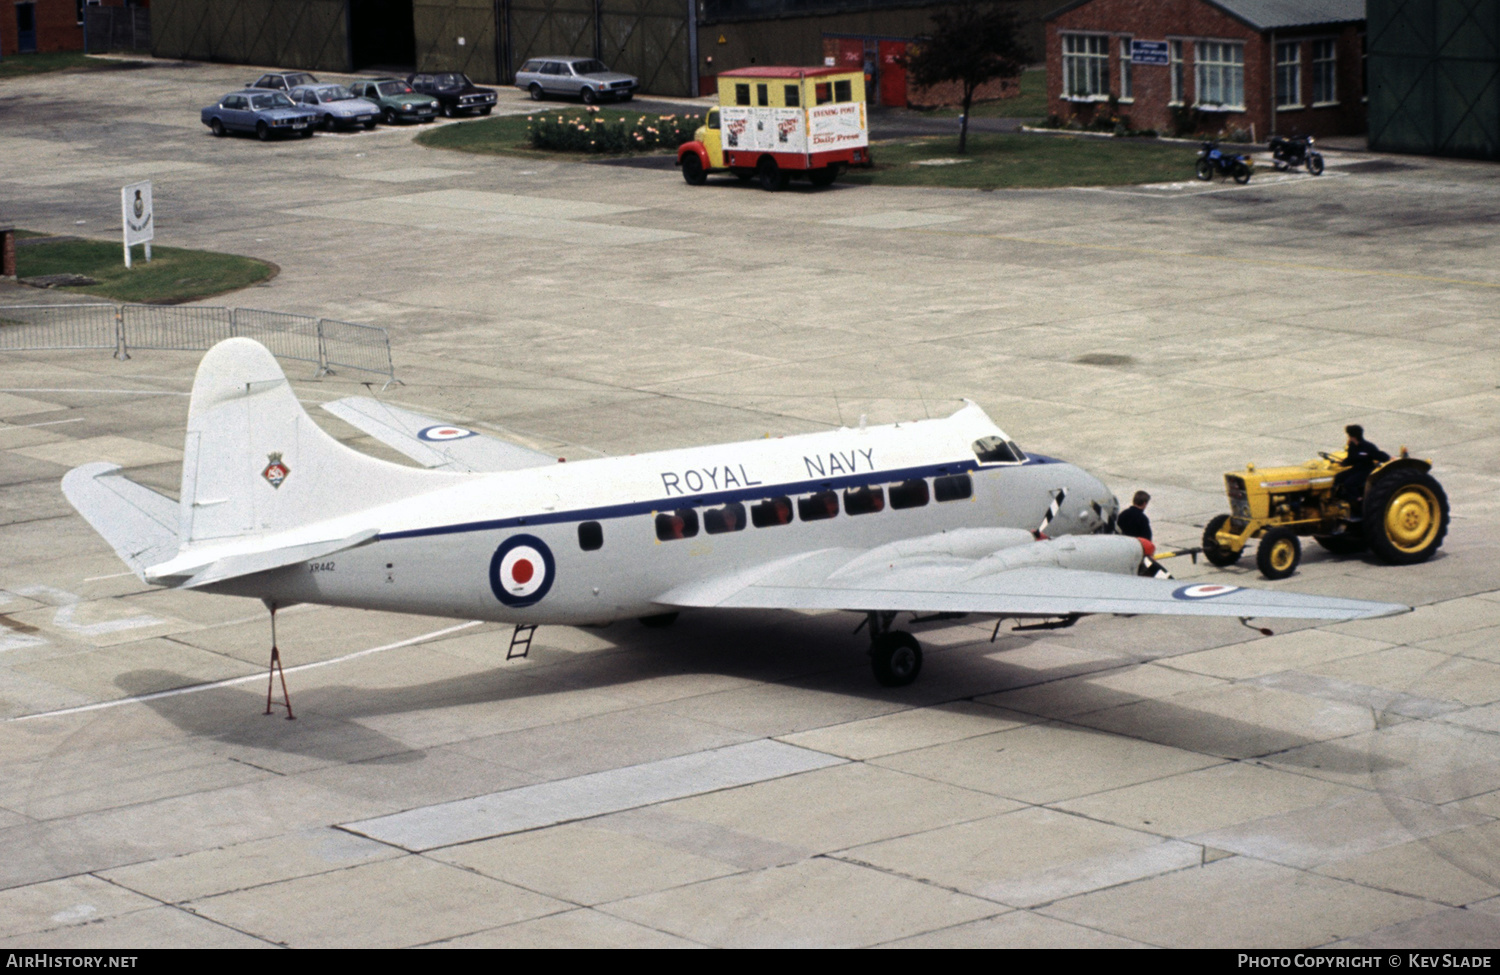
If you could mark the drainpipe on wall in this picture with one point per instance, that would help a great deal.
(1273, 86)
(692, 25)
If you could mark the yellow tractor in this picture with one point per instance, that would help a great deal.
(1402, 516)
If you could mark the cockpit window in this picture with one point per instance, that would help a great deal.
(996, 450)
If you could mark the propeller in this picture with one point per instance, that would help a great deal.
(1149, 566)
(1040, 531)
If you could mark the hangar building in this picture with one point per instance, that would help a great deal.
(674, 46)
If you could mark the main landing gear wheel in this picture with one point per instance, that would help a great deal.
(692, 170)
(896, 658)
(1217, 554)
(1406, 517)
(1279, 553)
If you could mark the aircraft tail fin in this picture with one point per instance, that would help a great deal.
(139, 524)
(255, 463)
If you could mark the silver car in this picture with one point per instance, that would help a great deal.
(584, 78)
(338, 107)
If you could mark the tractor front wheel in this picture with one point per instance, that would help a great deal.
(1220, 555)
(1278, 554)
(1406, 516)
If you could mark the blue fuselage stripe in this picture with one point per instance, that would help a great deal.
(757, 493)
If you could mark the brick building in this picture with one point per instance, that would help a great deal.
(48, 25)
(1264, 67)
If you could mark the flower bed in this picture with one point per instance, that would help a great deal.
(602, 131)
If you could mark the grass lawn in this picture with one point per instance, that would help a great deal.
(17, 65)
(1030, 103)
(1026, 160)
(173, 275)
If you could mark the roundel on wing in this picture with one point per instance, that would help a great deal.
(444, 431)
(522, 570)
(1203, 591)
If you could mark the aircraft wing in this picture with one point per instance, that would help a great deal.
(849, 579)
(433, 443)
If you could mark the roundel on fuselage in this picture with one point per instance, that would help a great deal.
(522, 570)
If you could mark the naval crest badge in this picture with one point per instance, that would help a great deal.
(275, 471)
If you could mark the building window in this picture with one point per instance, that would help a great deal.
(1324, 65)
(1289, 75)
(1085, 66)
(742, 94)
(1174, 49)
(1126, 94)
(1220, 74)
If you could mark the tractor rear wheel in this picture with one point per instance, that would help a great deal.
(1220, 555)
(1406, 516)
(1278, 554)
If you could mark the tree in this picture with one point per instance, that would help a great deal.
(971, 44)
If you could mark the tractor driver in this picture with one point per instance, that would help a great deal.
(1361, 459)
(1133, 520)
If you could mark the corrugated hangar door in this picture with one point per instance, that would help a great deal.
(646, 38)
(649, 39)
(1434, 76)
(312, 34)
(457, 35)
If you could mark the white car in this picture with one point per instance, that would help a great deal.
(337, 106)
(585, 78)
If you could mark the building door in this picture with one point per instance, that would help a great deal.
(892, 73)
(25, 28)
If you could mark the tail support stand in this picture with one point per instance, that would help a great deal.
(276, 670)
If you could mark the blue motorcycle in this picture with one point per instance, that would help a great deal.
(1212, 160)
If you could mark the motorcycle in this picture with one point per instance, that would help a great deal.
(1213, 160)
(1294, 152)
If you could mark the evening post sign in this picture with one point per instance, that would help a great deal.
(140, 221)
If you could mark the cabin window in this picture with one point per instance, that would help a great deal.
(671, 525)
(995, 450)
(824, 93)
(816, 507)
(742, 94)
(762, 95)
(955, 487)
(842, 91)
(909, 494)
(864, 501)
(772, 511)
(793, 96)
(590, 536)
(730, 518)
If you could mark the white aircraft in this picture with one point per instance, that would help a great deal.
(933, 518)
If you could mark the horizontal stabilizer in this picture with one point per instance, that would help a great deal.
(935, 584)
(139, 524)
(192, 569)
(433, 443)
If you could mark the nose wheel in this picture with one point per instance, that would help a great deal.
(895, 655)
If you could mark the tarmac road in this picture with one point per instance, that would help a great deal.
(1125, 782)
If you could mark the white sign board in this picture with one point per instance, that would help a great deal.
(138, 216)
(839, 126)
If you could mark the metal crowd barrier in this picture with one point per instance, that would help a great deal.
(325, 342)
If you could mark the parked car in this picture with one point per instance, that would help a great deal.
(456, 94)
(337, 105)
(398, 101)
(283, 80)
(584, 78)
(266, 113)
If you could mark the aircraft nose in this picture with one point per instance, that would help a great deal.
(1097, 505)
